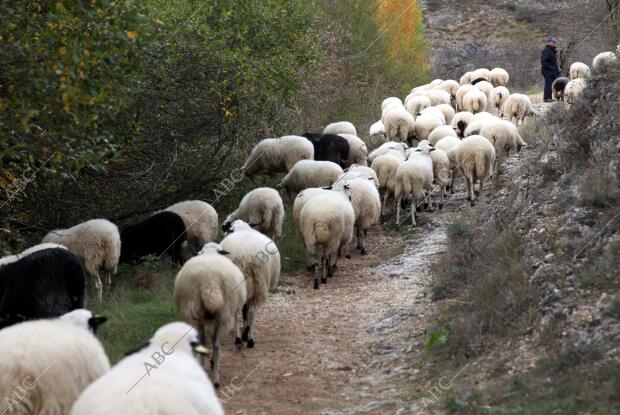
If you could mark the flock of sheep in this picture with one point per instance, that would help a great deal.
(52, 363)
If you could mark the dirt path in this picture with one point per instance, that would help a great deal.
(356, 346)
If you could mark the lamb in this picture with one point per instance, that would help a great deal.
(425, 124)
(448, 112)
(504, 136)
(450, 86)
(326, 223)
(97, 243)
(579, 70)
(603, 62)
(386, 166)
(438, 96)
(481, 74)
(310, 173)
(414, 179)
(440, 132)
(460, 94)
(343, 127)
(517, 107)
(436, 112)
(160, 377)
(497, 99)
(386, 148)
(558, 88)
(358, 150)
(416, 104)
(475, 158)
(466, 78)
(201, 223)
(460, 122)
(356, 171)
(475, 101)
(390, 101)
(574, 91)
(366, 204)
(263, 209)
(258, 258)
(45, 283)
(499, 77)
(210, 290)
(329, 147)
(396, 123)
(46, 364)
(277, 155)
(161, 233)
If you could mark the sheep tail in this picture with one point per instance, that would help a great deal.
(321, 231)
(212, 299)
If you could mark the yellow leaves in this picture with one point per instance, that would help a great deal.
(62, 51)
(65, 99)
(132, 35)
(3, 106)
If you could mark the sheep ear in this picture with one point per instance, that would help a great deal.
(346, 186)
(138, 348)
(330, 187)
(199, 349)
(223, 252)
(432, 149)
(95, 322)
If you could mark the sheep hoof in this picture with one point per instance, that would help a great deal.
(418, 209)
(316, 284)
(216, 385)
(238, 343)
(250, 343)
(473, 203)
(363, 251)
(441, 206)
(347, 256)
(477, 192)
(324, 280)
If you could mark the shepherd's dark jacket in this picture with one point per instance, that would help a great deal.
(549, 62)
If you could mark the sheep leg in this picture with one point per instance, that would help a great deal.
(362, 237)
(238, 342)
(98, 287)
(398, 212)
(318, 267)
(251, 320)
(202, 339)
(246, 328)
(413, 209)
(481, 186)
(108, 281)
(215, 359)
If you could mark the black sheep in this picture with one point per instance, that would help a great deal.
(164, 232)
(558, 87)
(329, 147)
(46, 283)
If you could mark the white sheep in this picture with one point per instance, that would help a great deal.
(366, 204)
(425, 124)
(417, 104)
(441, 132)
(448, 145)
(448, 112)
(436, 112)
(499, 77)
(396, 123)
(481, 73)
(414, 179)
(377, 129)
(356, 171)
(389, 101)
(579, 70)
(386, 148)
(438, 96)
(210, 290)
(485, 87)
(258, 258)
(497, 99)
(46, 364)
(603, 62)
(517, 107)
(574, 91)
(277, 155)
(460, 122)
(358, 151)
(466, 78)
(436, 82)
(326, 222)
(263, 209)
(450, 86)
(162, 377)
(475, 101)
(201, 223)
(98, 244)
(504, 136)
(342, 127)
(310, 173)
(386, 166)
(441, 172)
(460, 94)
(477, 122)
(475, 158)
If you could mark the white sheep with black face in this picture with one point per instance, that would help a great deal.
(414, 180)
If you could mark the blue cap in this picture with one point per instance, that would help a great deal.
(551, 39)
